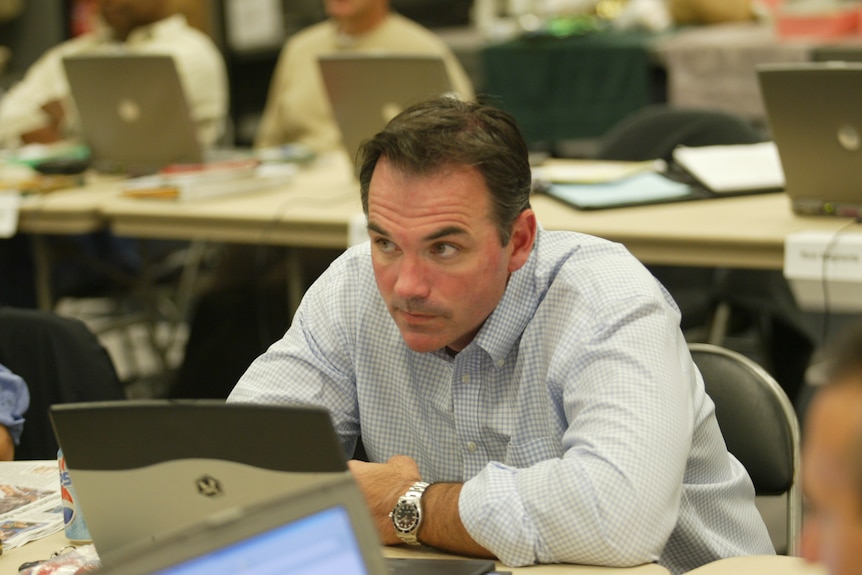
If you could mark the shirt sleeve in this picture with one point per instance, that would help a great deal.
(202, 72)
(311, 364)
(269, 130)
(613, 497)
(14, 401)
(21, 108)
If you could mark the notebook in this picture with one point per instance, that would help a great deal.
(815, 117)
(133, 112)
(145, 467)
(367, 90)
(318, 531)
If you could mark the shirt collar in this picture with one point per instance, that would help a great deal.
(503, 328)
(166, 27)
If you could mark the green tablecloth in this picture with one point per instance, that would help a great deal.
(575, 87)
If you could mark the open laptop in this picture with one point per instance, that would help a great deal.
(367, 90)
(143, 468)
(321, 530)
(133, 111)
(815, 117)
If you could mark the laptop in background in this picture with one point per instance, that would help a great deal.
(133, 111)
(814, 113)
(144, 468)
(368, 90)
(321, 530)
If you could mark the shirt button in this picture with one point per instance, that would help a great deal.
(465, 378)
(501, 362)
(471, 446)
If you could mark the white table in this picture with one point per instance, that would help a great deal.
(42, 548)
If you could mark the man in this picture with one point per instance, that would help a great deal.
(39, 108)
(832, 464)
(537, 380)
(297, 107)
(14, 401)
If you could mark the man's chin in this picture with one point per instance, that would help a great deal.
(422, 343)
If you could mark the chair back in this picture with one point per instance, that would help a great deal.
(654, 131)
(759, 425)
(61, 361)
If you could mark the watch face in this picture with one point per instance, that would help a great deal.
(405, 516)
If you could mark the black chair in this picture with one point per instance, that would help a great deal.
(652, 133)
(759, 425)
(715, 302)
(61, 361)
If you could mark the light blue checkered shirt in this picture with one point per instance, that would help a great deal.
(575, 418)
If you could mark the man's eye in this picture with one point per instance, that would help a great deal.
(384, 245)
(445, 250)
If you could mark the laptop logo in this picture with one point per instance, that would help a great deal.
(209, 486)
(129, 111)
(848, 137)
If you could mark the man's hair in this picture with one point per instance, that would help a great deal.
(442, 133)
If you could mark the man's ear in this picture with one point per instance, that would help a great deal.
(522, 240)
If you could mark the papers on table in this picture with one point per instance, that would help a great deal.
(188, 182)
(730, 169)
(591, 171)
(30, 505)
(9, 201)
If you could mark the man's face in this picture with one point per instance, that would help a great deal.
(352, 9)
(832, 534)
(437, 256)
(123, 16)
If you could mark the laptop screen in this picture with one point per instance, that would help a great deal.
(320, 544)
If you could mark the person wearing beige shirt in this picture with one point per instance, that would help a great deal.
(39, 108)
(297, 108)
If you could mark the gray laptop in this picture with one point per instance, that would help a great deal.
(815, 117)
(143, 468)
(322, 530)
(133, 111)
(368, 90)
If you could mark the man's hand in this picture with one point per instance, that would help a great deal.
(382, 484)
(7, 446)
(51, 132)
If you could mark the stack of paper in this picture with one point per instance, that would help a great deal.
(733, 169)
(188, 182)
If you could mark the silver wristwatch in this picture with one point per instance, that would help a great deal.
(407, 514)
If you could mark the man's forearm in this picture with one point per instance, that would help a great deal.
(442, 527)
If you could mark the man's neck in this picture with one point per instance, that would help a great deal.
(363, 24)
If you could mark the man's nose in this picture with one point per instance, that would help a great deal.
(413, 278)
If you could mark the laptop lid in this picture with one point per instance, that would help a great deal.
(367, 90)
(133, 112)
(144, 468)
(815, 118)
(320, 530)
